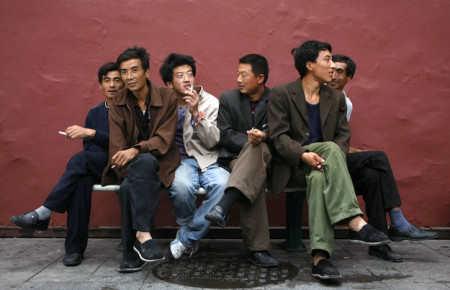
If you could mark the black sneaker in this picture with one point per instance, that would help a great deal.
(262, 259)
(368, 235)
(30, 221)
(149, 251)
(132, 266)
(325, 270)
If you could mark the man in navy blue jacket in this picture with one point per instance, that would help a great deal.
(73, 192)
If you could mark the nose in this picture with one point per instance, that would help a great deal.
(129, 74)
(112, 84)
(333, 65)
(239, 79)
(185, 78)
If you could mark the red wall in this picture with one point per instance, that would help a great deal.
(51, 50)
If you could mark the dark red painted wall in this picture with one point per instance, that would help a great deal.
(51, 50)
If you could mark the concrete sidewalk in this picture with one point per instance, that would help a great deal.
(37, 263)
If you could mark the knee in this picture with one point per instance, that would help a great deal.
(331, 146)
(77, 158)
(146, 162)
(316, 176)
(181, 190)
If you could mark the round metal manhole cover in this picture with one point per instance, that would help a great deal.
(222, 272)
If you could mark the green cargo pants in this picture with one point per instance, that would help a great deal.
(331, 197)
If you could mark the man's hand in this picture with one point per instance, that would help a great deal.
(121, 158)
(255, 136)
(78, 132)
(313, 160)
(191, 98)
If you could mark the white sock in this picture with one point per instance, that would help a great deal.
(43, 213)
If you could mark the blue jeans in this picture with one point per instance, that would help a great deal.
(182, 194)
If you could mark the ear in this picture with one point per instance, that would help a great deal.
(260, 78)
(169, 84)
(147, 73)
(309, 65)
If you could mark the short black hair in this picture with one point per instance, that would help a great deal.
(259, 64)
(105, 69)
(135, 52)
(172, 61)
(308, 51)
(351, 65)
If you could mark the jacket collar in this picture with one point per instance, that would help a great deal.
(122, 97)
(298, 97)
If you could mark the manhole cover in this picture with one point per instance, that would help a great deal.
(222, 272)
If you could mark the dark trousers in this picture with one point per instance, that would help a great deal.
(73, 193)
(373, 179)
(249, 175)
(139, 197)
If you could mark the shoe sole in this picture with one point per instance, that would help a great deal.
(146, 260)
(370, 243)
(71, 264)
(215, 221)
(261, 265)
(385, 258)
(327, 277)
(26, 227)
(130, 270)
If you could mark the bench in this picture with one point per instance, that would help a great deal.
(294, 210)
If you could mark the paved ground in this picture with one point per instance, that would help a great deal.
(37, 263)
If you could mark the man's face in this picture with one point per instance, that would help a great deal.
(182, 80)
(133, 75)
(323, 68)
(111, 83)
(247, 81)
(340, 78)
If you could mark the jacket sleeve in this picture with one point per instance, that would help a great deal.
(207, 129)
(343, 134)
(101, 138)
(230, 138)
(280, 128)
(117, 136)
(159, 143)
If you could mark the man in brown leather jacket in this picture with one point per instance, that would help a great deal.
(142, 154)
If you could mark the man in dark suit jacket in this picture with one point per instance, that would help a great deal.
(242, 121)
(372, 178)
(310, 132)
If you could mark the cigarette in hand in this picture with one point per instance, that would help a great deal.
(62, 133)
(192, 87)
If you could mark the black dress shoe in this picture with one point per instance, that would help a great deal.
(131, 266)
(217, 216)
(73, 259)
(385, 252)
(262, 259)
(368, 235)
(30, 221)
(325, 270)
(149, 251)
(412, 233)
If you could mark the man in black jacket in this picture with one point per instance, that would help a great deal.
(242, 121)
(73, 192)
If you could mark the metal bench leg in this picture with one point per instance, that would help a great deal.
(294, 209)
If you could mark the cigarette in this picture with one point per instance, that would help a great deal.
(192, 87)
(62, 133)
(112, 167)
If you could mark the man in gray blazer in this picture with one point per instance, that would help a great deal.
(311, 135)
(242, 121)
